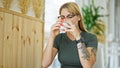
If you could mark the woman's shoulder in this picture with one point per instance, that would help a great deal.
(90, 39)
(88, 34)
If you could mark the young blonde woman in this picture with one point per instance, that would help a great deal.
(76, 47)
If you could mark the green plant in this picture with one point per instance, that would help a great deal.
(92, 20)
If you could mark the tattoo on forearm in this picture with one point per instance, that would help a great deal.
(82, 47)
(93, 51)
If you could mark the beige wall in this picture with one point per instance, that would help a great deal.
(21, 39)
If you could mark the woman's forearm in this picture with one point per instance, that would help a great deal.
(87, 57)
(47, 53)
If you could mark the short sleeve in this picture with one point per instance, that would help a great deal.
(92, 41)
(56, 42)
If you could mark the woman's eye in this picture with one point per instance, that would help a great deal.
(69, 16)
(62, 17)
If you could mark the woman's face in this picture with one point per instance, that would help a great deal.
(69, 17)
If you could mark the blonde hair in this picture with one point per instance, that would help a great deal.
(73, 8)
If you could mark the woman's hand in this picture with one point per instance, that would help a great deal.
(55, 29)
(73, 30)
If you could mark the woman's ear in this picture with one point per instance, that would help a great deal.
(79, 17)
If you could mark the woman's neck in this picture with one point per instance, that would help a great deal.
(70, 36)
